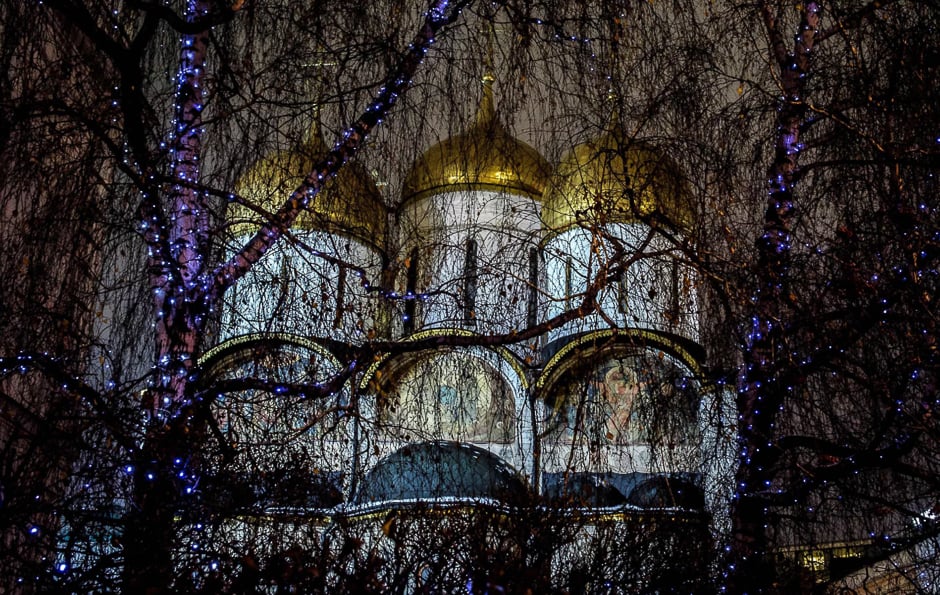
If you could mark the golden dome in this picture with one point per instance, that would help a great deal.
(613, 179)
(485, 157)
(350, 204)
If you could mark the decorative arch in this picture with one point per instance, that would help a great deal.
(275, 448)
(588, 344)
(371, 376)
(468, 394)
(220, 356)
(619, 403)
(632, 379)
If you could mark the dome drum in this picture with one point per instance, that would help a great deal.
(609, 216)
(470, 218)
(482, 278)
(317, 283)
(640, 279)
(309, 289)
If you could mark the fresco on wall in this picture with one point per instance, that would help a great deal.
(625, 398)
(255, 415)
(450, 396)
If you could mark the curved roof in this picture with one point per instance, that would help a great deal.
(485, 157)
(350, 204)
(614, 179)
(428, 471)
(663, 491)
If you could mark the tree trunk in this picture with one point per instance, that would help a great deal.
(768, 376)
(178, 244)
(184, 292)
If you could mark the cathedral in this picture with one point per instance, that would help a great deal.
(602, 412)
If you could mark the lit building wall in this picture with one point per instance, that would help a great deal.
(475, 396)
(602, 411)
(642, 282)
(320, 286)
(474, 252)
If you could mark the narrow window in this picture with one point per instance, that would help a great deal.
(411, 285)
(532, 306)
(283, 280)
(623, 292)
(569, 264)
(674, 292)
(470, 283)
(340, 297)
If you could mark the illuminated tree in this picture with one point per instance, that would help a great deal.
(838, 388)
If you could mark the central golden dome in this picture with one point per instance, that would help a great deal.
(613, 179)
(349, 204)
(485, 157)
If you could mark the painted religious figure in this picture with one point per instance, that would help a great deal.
(606, 408)
(451, 397)
(627, 399)
(621, 392)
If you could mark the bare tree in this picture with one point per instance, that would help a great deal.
(812, 447)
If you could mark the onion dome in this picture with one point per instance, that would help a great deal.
(350, 204)
(485, 157)
(614, 179)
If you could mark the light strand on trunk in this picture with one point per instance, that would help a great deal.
(178, 301)
(764, 382)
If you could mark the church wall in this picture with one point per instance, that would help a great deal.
(487, 290)
(473, 395)
(320, 289)
(655, 291)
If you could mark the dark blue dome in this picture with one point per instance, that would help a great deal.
(668, 492)
(428, 471)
